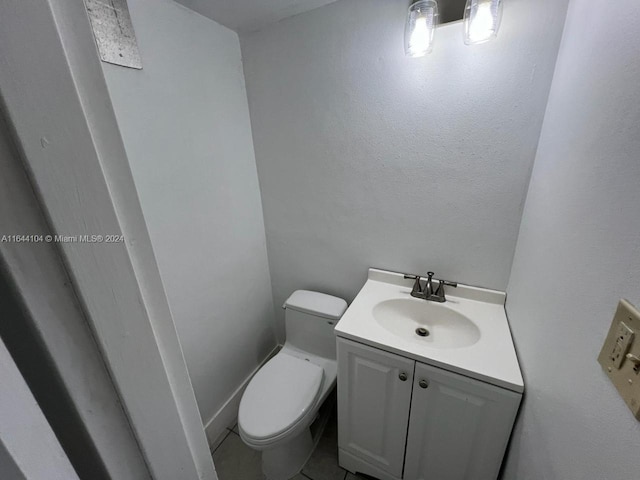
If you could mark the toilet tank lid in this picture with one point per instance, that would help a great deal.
(316, 303)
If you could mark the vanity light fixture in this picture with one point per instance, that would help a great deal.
(481, 20)
(420, 28)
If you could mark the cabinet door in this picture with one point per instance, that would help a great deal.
(459, 427)
(373, 404)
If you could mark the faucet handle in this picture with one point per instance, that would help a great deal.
(440, 289)
(417, 288)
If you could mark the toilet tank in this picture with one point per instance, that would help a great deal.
(310, 318)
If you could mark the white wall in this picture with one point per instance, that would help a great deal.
(369, 158)
(251, 15)
(185, 123)
(578, 253)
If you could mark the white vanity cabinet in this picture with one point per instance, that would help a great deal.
(402, 419)
(374, 397)
(458, 428)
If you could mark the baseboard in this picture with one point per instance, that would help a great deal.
(226, 416)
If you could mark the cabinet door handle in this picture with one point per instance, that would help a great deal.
(402, 376)
(423, 383)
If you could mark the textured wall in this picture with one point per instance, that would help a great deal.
(369, 158)
(578, 253)
(185, 123)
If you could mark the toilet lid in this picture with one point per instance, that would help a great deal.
(279, 395)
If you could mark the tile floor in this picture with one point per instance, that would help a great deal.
(235, 461)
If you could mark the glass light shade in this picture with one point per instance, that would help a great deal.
(420, 28)
(481, 20)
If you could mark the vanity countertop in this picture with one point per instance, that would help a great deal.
(485, 350)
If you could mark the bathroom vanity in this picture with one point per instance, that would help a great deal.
(426, 391)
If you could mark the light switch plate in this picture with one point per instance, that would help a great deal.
(618, 354)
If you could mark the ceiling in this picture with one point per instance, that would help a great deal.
(251, 15)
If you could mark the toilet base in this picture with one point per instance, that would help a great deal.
(285, 461)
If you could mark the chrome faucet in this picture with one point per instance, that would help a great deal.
(428, 293)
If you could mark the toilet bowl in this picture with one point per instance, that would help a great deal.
(284, 397)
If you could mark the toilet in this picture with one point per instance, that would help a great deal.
(284, 397)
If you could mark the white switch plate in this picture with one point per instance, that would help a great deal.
(620, 348)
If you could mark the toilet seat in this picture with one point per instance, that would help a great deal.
(279, 396)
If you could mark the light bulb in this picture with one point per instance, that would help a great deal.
(481, 20)
(420, 27)
(481, 29)
(419, 37)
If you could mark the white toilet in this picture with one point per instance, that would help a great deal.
(282, 400)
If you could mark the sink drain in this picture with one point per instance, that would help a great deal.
(422, 332)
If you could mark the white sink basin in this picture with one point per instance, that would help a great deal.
(427, 323)
(468, 334)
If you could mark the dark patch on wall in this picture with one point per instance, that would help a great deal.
(35, 365)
